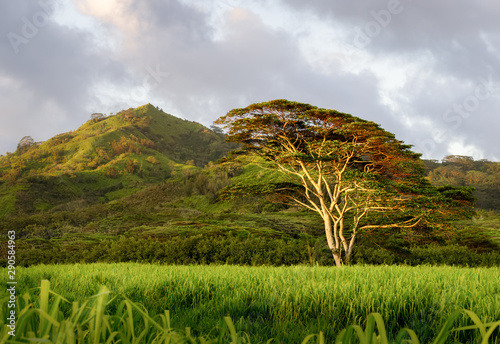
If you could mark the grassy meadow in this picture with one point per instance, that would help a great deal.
(285, 303)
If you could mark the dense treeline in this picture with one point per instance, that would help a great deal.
(457, 170)
(253, 251)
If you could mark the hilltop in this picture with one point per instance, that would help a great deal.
(105, 159)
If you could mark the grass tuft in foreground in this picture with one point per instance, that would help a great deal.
(89, 322)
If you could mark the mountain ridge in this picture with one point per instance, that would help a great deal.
(104, 159)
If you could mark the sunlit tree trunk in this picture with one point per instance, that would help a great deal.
(331, 239)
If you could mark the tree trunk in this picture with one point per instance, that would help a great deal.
(330, 240)
(338, 259)
(348, 252)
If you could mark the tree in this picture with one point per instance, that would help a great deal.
(131, 166)
(96, 117)
(351, 172)
(25, 143)
(216, 129)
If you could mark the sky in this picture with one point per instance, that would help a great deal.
(427, 71)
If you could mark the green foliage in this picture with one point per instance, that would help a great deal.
(188, 212)
(481, 233)
(458, 171)
(224, 246)
(25, 144)
(428, 255)
(246, 189)
(198, 249)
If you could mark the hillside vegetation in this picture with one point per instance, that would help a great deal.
(105, 159)
(459, 170)
(146, 186)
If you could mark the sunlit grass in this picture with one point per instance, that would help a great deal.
(91, 321)
(286, 302)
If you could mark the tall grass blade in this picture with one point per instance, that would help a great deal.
(232, 330)
(406, 331)
(154, 323)
(99, 329)
(320, 338)
(44, 302)
(490, 331)
(445, 329)
(478, 325)
(347, 335)
(477, 321)
(370, 335)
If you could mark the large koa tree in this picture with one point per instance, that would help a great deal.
(354, 174)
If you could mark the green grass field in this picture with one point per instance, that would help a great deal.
(286, 303)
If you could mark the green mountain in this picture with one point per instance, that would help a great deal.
(105, 159)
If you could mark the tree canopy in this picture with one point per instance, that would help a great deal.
(456, 170)
(354, 174)
(97, 116)
(25, 143)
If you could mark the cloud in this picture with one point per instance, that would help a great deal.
(47, 80)
(453, 42)
(403, 64)
(251, 63)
